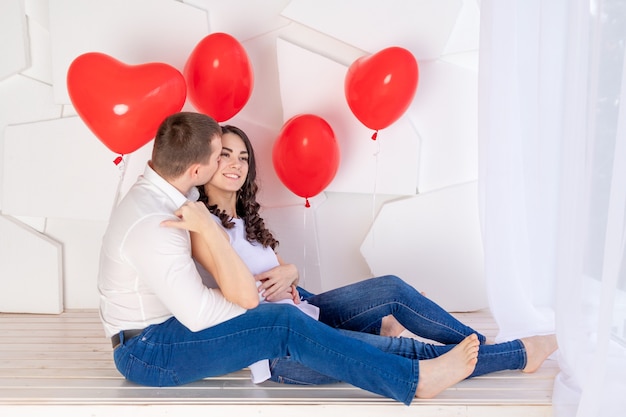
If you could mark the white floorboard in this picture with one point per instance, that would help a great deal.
(63, 364)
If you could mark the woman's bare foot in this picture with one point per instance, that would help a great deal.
(538, 348)
(446, 370)
(391, 327)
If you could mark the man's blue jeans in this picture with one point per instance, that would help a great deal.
(357, 310)
(169, 354)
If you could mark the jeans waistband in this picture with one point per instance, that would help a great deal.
(128, 334)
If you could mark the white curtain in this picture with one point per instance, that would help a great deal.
(552, 180)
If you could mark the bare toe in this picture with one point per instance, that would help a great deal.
(446, 370)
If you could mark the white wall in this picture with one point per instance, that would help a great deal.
(59, 183)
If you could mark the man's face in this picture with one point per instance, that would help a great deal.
(209, 168)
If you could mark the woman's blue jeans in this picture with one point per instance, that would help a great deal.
(357, 310)
(169, 354)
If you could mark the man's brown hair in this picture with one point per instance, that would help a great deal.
(183, 139)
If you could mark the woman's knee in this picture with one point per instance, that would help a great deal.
(393, 281)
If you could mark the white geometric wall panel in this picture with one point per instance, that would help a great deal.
(134, 32)
(81, 240)
(14, 36)
(40, 58)
(433, 241)
(243, 19)
(58, 169)
(262, 55)
(464, 37)
(23, 100)
(68, 110)
(26, 100)
(37, 11)
(343, 221)
(462, 47)
(31, 272)
(421, 26)
(37, 223)
(444, 112)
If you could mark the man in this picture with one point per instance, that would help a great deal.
(168, 329)
(146, 271)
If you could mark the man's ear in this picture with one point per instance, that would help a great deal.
(193, 171)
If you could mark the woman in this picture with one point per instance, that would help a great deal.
(359, 310)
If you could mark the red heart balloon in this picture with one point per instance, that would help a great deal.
(380, 87)
(124, 105)
(219, 76)
(306, 155)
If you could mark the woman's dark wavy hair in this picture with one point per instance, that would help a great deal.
(247, 207)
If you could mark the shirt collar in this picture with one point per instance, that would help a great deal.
(172, 192)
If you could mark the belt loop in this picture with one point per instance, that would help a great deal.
(119, 338)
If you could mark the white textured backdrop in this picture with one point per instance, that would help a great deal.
(58, 184)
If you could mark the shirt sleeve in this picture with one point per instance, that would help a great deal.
(162, 258)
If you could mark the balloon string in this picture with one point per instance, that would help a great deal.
(375, 189)
(304, 212)
(313, 255)
(121, 163)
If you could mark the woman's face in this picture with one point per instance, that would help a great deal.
(232, 169)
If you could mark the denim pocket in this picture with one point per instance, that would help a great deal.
(144, 373)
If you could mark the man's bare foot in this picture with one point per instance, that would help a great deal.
(391, 327)
(446, 370)
(538, 348)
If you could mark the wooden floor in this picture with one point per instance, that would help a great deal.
(63, 364)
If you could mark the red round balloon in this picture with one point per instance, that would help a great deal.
(123, 105)
(306, 155)
(219, 76)
(380, 87)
